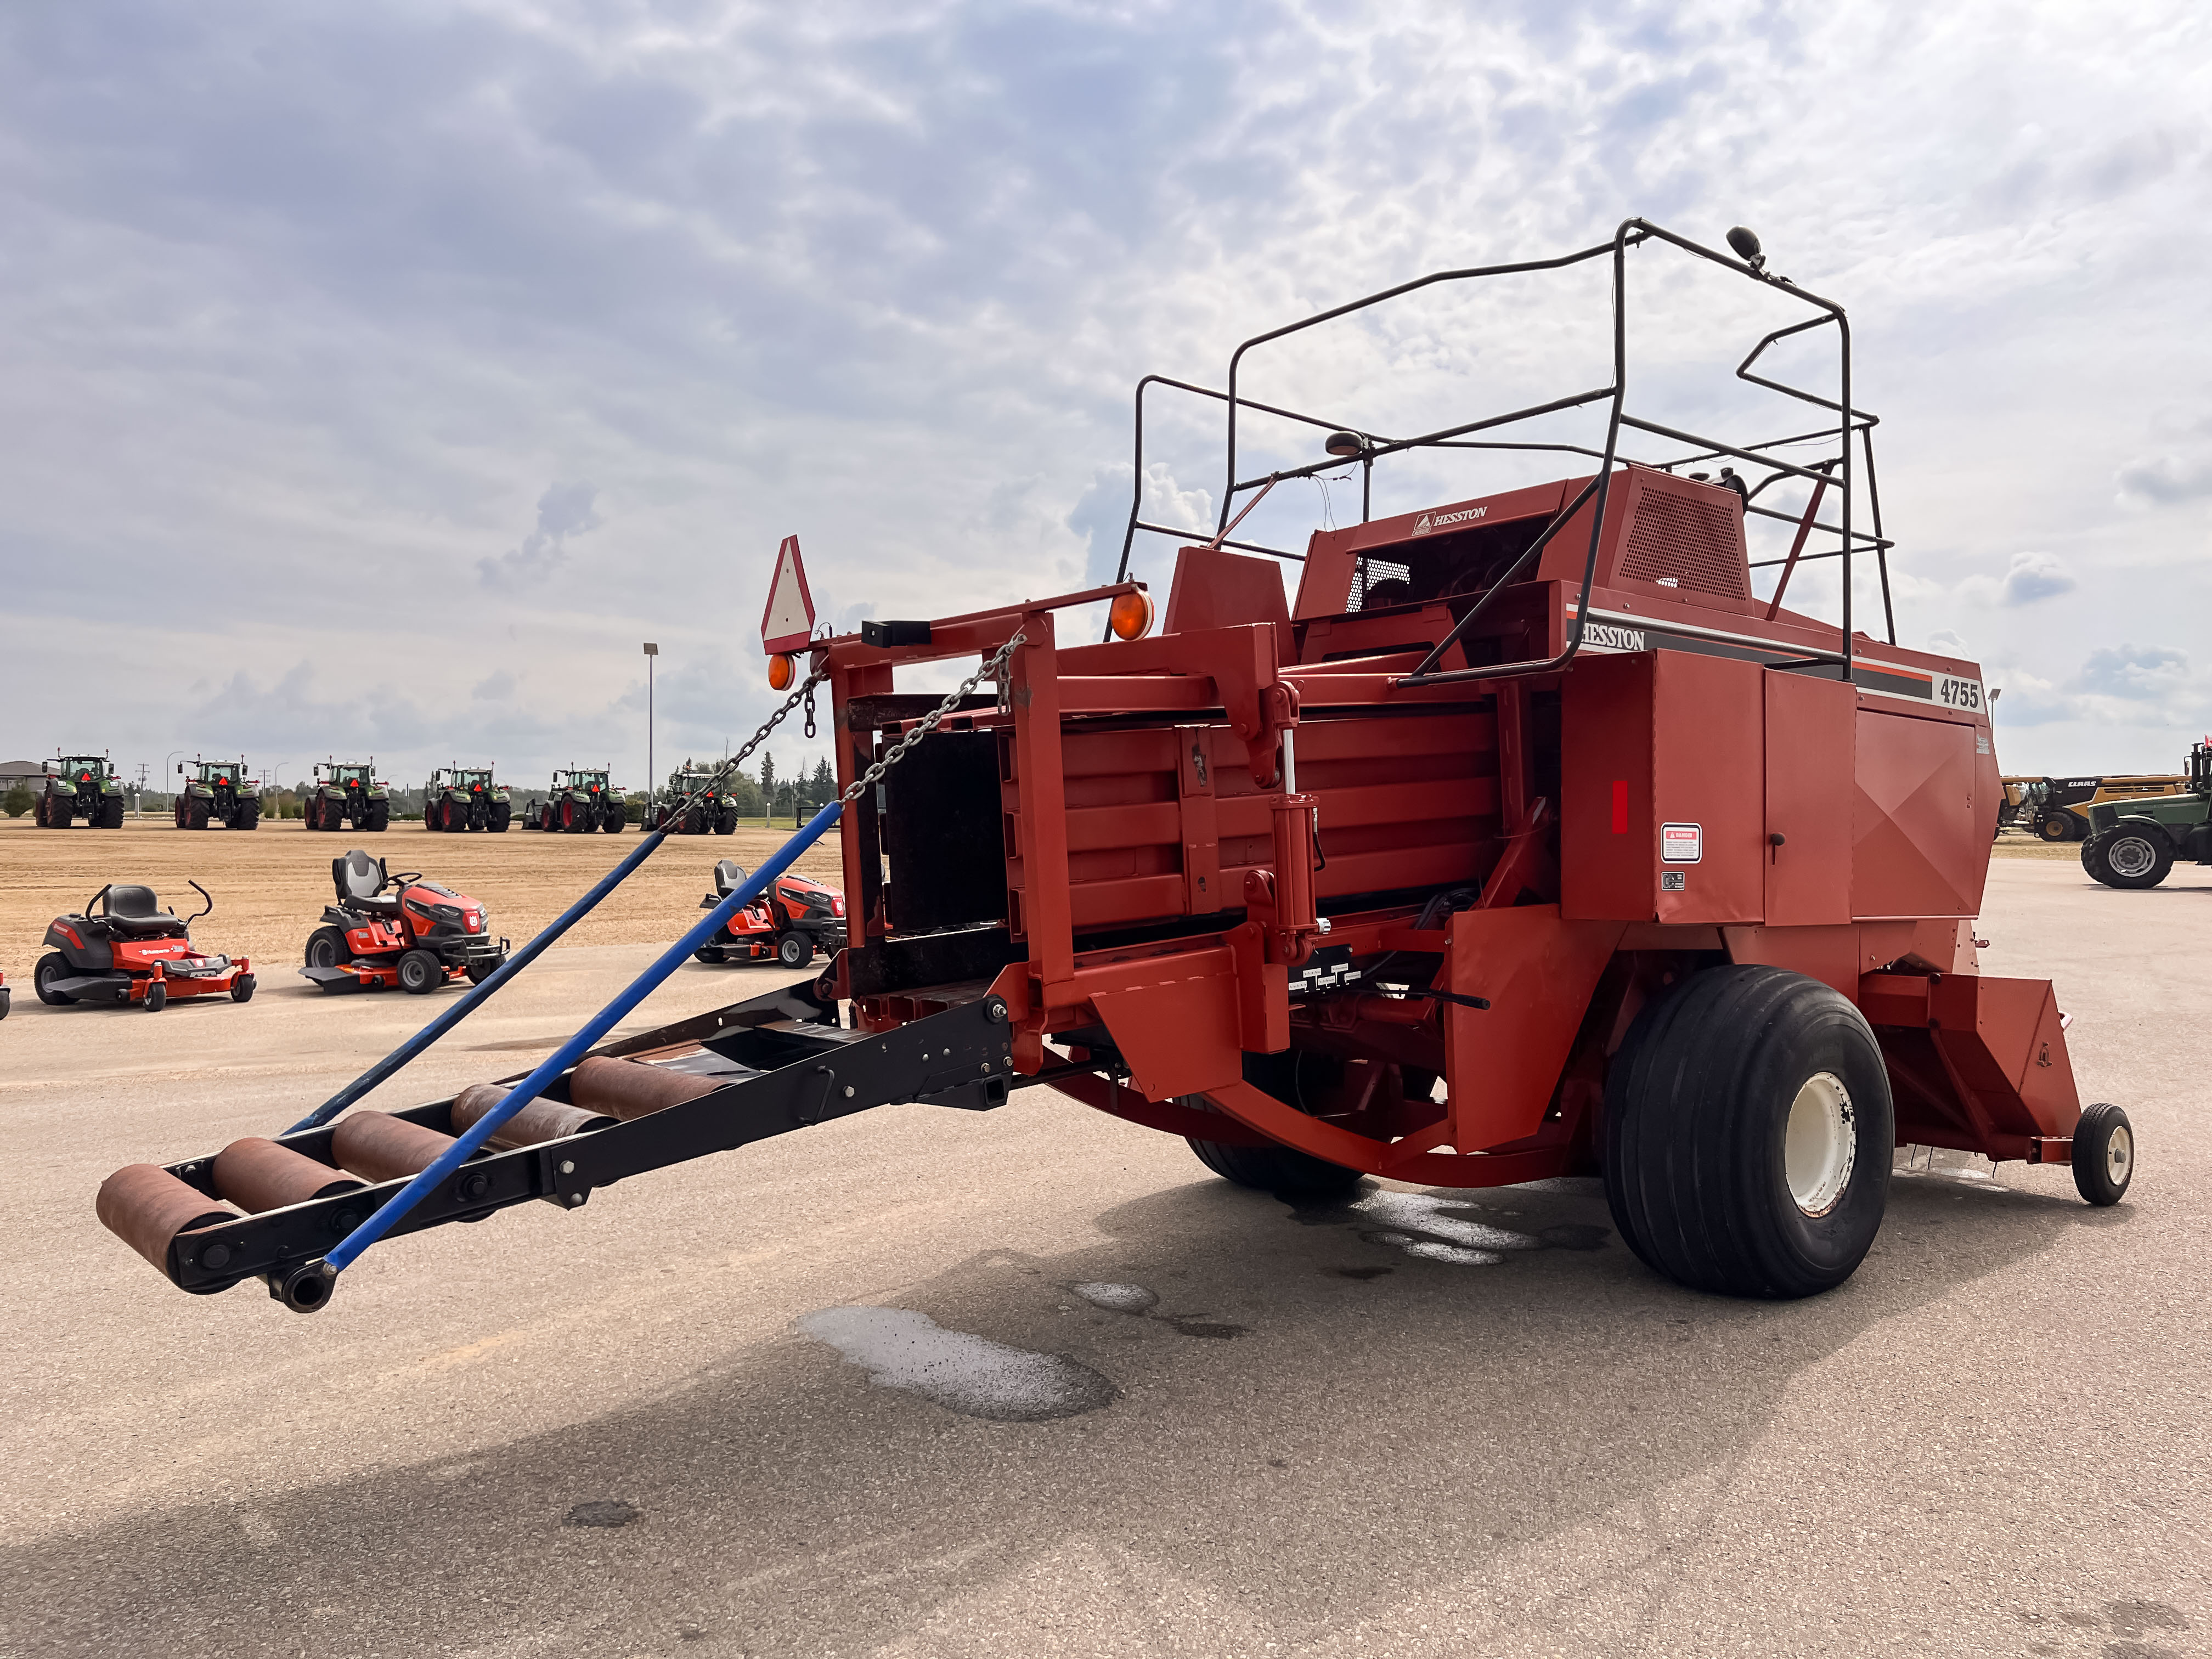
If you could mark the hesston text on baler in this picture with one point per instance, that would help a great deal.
(1523, 841)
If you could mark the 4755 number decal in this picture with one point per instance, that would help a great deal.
(1958, 693)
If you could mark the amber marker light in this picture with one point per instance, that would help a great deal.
(780, 670)
(1131, 618)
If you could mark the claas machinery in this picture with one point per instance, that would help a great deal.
(80, 786)
(2062, 808)
(788, 924)
(347, 791)
(460, 797)
(403, 931)
(217, 792)
(122, 948)
(2135, 842)
(1525, 838)
(579, 802)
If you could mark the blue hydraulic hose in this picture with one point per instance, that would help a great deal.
(478, 994)
(395, 1207)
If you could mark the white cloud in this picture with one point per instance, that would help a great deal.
(564, 510)
(2032, 576)
(2163, 480)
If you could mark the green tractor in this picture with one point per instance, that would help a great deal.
(343, 790)
(2133, 843)
(715, 809)
(217, 792)
(459, 798)
(82, 787)
(578, 803)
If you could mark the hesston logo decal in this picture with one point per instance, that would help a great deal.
(1616, 639)
(1430, 521)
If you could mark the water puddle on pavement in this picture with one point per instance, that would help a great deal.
(970, 1375)
(1118, 1298)
(1429, 1228)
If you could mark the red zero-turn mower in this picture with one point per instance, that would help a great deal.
(794, 919)
(133, 951)
(387, 930)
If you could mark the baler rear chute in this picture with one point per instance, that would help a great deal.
(1524, 841)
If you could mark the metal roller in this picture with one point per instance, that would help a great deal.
(377, 1146)
(146, 1207)
(630, 1088)
(256, 1173)
(540, 1121)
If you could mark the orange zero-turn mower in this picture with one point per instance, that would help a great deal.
(387, 930)
(130, 950)
(792, 921)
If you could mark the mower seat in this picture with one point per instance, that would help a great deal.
(358, 879)
(133, 912)
(729, 875)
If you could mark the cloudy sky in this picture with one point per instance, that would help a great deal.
(377, 377)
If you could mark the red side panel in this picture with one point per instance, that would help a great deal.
(1920, 845)
(1217, 589)
(1179, 1035)
(1538, 972)
(1810, 748)
(1662, 809)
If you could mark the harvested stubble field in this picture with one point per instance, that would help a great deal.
(271, 884)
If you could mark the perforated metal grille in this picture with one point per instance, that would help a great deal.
(1686, 543)
(1373, 573)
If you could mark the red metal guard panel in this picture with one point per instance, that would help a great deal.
(1663, 809)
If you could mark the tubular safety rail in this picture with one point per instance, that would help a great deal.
(1854, 430)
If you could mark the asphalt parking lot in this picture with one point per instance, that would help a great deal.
(741, 1407)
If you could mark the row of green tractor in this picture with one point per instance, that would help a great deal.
(348, 794)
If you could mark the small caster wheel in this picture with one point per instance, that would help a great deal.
(2104, 1154)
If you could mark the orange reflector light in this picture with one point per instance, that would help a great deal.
(780, 672)
(1131, 617)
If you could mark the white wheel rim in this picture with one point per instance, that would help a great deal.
(2130, 855)
(2119, 1155)
(1821, 1144)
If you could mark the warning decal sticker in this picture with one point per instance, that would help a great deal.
(1681, 843)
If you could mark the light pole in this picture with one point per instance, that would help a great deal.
(652, 777)
(165, 774)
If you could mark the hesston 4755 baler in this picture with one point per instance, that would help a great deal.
(1523, 841)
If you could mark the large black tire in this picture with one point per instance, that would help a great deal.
(51, 966)
(1283, 1170)
(327, 948)
(247, 817)
(377, 817)
(419, 972)
(2056, 826)
(726, 821)
(196, 812)
(501, 816)
(613, 820)
(110, 813)
(2104, 1154)
(695, 821)
(2127, 857)
(1748, 1135)
(48, 816)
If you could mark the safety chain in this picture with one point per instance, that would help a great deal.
(993, 667)
(802, 694)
